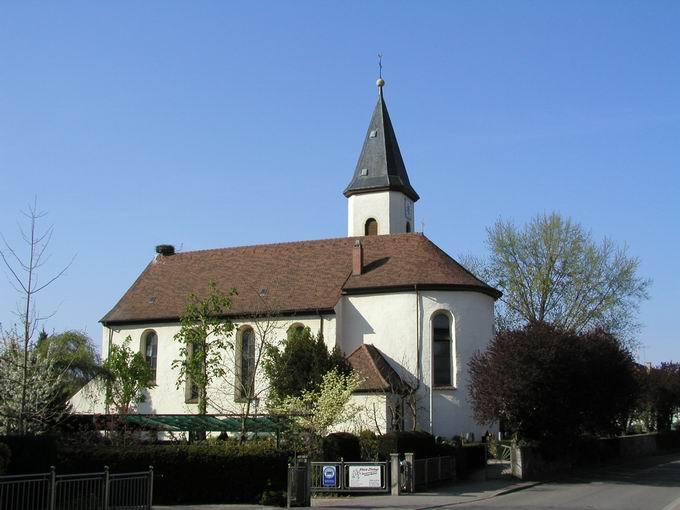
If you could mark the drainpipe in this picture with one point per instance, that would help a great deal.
(320, 324)
(419, 369)
(108, 350)
(108, 353)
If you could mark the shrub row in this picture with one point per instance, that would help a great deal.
(341, 445)
(30, 454)
(367, 446)
(205, 472)
(5, 454)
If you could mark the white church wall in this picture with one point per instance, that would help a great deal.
(166, 397)
(389, 322)
(472, 330)
(371, 414)
(391, 209)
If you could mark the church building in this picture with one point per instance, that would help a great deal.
(406, 315)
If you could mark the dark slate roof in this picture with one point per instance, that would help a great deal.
(375, 370)
(380, 158)
(291, 278)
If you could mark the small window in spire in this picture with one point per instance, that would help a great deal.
(373, 133)
(364, 172)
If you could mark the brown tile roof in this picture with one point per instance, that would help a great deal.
(299, 277)
(377, 373)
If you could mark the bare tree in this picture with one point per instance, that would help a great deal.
(244, 386)
(24, 274)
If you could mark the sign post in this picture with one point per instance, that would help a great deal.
(330, 476)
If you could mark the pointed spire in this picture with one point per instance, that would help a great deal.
(380, 166)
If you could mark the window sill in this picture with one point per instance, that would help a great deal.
(443, 388)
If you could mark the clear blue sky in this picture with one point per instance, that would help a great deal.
(219, 124)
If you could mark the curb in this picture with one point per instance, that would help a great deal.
(515, 488)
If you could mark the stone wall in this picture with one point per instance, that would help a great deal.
(531, 463)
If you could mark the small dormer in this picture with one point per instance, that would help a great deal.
(380, 197)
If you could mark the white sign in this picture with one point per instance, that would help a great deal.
(365, 476)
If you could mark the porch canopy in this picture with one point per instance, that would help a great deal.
(207, 423)
(272, 424)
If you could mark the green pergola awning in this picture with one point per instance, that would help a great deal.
(198, 423)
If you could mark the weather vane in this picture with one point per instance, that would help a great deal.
(380, 64)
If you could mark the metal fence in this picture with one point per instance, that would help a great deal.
(349, 477)
(82, 491)
(433, 469)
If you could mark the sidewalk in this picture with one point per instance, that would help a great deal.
(443, 496)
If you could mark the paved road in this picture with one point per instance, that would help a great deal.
(652, 484)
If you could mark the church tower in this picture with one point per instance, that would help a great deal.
(380, 196)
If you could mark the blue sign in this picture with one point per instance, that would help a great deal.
(329, 476)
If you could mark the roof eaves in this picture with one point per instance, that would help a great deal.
(231, 316)
(455, 287)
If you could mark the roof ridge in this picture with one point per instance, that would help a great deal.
(287, 243)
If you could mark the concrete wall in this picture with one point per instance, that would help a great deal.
(391, 209)
(529, 464)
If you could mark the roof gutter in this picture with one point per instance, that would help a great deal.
(455, 287)
(236, 316)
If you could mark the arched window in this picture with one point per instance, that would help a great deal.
(245, 365)
(296, 328)
(441, 350)
(408, 226)
(150, 350)
(371, 227)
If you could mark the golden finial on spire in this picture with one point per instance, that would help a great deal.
(380, 83)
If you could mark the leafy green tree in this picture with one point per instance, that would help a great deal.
(126, 376)
(204, 336)
(551, 270)
(315, 412)
(299, 364)
(75, 355)
(660, 398)
(549, 384)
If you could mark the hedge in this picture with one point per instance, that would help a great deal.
(30, 454)
(205, 472)
(5, 455)
(341, 445)
(422, 444)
